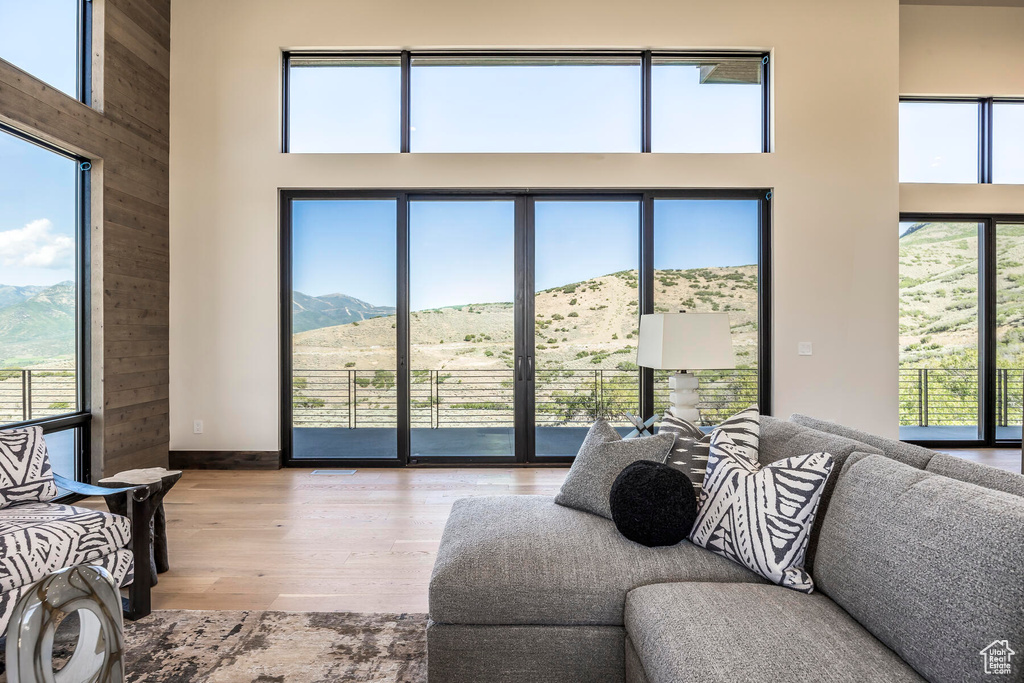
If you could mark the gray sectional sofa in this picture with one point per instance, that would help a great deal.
(917, 557)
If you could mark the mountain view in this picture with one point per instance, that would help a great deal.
(37, 326)
(312, 312)
(584, 325)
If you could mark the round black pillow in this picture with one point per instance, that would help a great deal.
(653, 504)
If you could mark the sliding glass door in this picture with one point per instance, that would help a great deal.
(462, 286)
(586, 302)
(343, 342)
(961, 346)
(497, 327)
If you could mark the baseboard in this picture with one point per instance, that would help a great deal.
(225, 460)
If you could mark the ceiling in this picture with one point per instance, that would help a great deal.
(967, 3)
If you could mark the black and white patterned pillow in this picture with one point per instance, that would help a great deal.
(690, 453)
(25, 474)
(761, 517)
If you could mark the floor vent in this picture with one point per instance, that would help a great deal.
(334, 471)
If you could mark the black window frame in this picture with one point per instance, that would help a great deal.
(986, 132)
(80, 419)
(646, 58)
(524, 217)
(987, 294)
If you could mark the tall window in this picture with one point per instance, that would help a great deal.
(49, 40)
(961, 141)
(547, 102)
(41, 296)
(961, 350)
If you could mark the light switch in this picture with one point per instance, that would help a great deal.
(804, 349)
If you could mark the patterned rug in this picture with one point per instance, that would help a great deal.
(181, 646)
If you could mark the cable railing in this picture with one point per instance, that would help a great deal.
(358, 398)
(948, 397)
(36, 393)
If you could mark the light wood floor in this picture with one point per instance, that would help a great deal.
(291, 540)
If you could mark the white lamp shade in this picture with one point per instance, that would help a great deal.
(685, 341)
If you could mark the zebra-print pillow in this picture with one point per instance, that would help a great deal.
(25, 474)
(761, 517)
(690, 453)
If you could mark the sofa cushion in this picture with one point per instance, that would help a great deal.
(781, 439)
(975, 473)
(932, 566)
(526, 560)
(25, 474)
(602, 457)
(743, 632)
(907, 453)
(39, 538)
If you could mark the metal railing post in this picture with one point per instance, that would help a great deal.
(351, 382)
(26, 394)
(924, 390)
(921, 397)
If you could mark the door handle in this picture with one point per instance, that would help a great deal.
(529, 368)
(519, 368)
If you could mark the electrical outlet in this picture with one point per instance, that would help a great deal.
(804, 349)
(197, 427)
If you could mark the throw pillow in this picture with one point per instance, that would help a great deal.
(690, 453)
(653, 504)
(761, 517)
(25, 474)
(603, 455)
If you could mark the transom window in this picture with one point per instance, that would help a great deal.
(49, 39)
(607, 102)
(961, 140)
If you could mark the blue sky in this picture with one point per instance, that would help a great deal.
(463, 251)
(41, 37)
(37, 214)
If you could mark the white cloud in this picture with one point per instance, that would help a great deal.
(36, 246)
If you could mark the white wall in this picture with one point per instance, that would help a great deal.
(962, 51)
(834, 172)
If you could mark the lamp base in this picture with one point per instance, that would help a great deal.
(683, 397)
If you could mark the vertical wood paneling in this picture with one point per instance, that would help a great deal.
(129, 140)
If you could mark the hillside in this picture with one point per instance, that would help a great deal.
(39, 328)
(313, 312)
(939, 295)
(11, 294)
(584, 325)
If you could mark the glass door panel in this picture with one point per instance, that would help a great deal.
(344, 379)
(462, 328)
(939, 331)
(586, 319)
(1009, 329)
(706, 258)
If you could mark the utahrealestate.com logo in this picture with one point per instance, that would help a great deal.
(997, 658)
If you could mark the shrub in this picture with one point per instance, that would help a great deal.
(574, 314)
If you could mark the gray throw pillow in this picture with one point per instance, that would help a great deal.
(602, 457)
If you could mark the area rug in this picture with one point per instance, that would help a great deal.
(182, 646)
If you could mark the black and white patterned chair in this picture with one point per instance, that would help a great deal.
(39, 537)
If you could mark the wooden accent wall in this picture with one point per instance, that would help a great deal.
(125, 133)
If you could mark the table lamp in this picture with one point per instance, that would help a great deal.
(685, 342)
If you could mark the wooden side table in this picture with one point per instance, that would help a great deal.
(160, 481)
